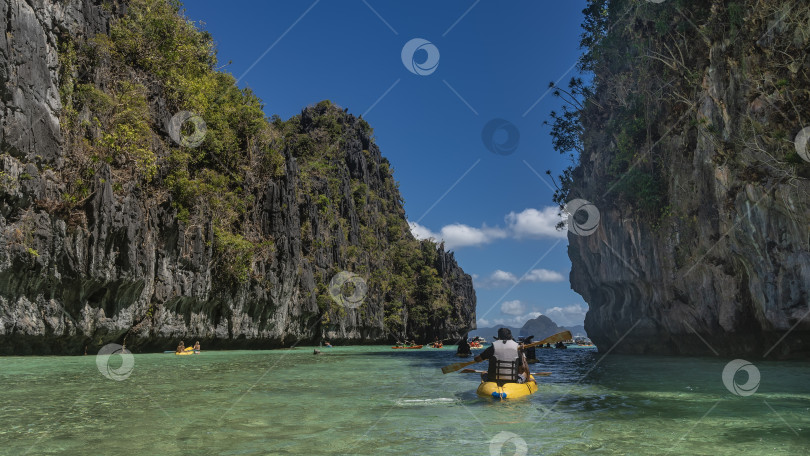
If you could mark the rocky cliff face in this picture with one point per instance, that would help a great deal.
(112, 231)
(702, 245)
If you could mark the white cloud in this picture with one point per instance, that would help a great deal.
(497, 279)
(458, 235)
(515, 307)
(567, 316)
(421, 232)
(462, 235)
(544, 275)
(500, 279)
(532, 223)
(482, 323)
(503, 276)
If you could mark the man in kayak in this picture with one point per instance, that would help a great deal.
(506, 362)
(463, 348)
(181, 347)
(530, 353)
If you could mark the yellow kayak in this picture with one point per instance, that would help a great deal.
(508, 390)
(188, 351)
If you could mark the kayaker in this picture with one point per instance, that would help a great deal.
(463, 348)
(181, 347)
(197, 346)
(529, 352)
(504, 359)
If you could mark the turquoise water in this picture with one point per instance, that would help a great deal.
(374, 400)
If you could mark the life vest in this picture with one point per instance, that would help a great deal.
(503, 366)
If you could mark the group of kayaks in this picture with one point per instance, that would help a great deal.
(416, 347)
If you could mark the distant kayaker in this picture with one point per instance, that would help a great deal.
(463, 348)
(181, 347)
(197, 346)
(506, 362)
(529, 352)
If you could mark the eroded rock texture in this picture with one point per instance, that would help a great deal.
(119, 265)
(704, 240)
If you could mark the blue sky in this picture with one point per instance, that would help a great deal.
(495, 61)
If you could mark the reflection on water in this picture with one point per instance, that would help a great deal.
(373, 400)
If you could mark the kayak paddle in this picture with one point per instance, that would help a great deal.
(559, 337)
(473, 371)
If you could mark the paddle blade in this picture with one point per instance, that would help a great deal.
(456, 366)
(559, 337)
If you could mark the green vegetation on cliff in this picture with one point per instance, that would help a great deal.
(118, 92)
(645, 61)
(686, 136)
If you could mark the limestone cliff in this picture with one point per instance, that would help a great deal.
(686, 141)
(145, 198)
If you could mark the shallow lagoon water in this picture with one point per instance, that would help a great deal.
(374, 400)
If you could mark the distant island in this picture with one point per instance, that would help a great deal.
(540, 327)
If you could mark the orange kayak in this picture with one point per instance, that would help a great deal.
(410, 347)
